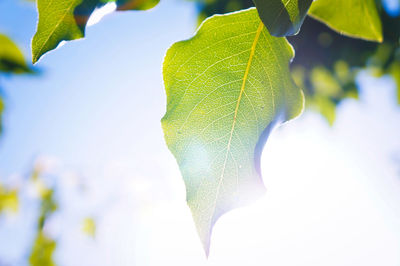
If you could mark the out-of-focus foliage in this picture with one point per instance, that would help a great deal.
(11, 58)
(43, 246)
(61, 20)
(282, 18)
(1, 113)
(356, 18)
(210, 7)
(12, 61)
(89, 226)
(325, 59)
(8, 199)
(395, 71)
(222, 103)
(42, 251)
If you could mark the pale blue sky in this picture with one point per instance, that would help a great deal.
(332, 195)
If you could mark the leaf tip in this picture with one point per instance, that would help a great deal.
(206, 248)
(35, 59)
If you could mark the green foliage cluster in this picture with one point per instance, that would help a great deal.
(236, 79)
(43, 246)
(325, 57)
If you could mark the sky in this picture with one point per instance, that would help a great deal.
(92, 117)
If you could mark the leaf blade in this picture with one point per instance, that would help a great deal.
(363, 23)
(282, 18)
(225, 91)
(65, 20)
(51, 30)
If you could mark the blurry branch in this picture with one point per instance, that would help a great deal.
(326, 63)
(43, 246)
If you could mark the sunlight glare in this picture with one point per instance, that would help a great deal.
(99, 13)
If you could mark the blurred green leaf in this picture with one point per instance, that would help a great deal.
(395, 72)
(323, 105)
(1, 114)
(42, 251)
(136, 4)
(282, 17)
(89, 227)
(324, 82)
(11, 58)
(8, 199)
(12, 61)
(355, 18)
(226, 88)
(64, 20)
(44, 246)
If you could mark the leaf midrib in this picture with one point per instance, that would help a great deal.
(242, 90)
(54, 29)
(280, 12)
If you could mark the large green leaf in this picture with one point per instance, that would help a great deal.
(64, 20)
(282, 17)
(355, 18)
(226, 88)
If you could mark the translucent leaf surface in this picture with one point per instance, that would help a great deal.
(226, 88)
(64, 20)
(355, 18)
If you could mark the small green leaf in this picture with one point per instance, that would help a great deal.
(282, 17)
(11, 58)
(226, 89)
(64, 20)
(8, 199)
(89, 227)
(355, 18)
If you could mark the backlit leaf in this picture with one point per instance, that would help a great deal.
(355, 18)
(226, 89)
(64, 20)
(282, 17)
